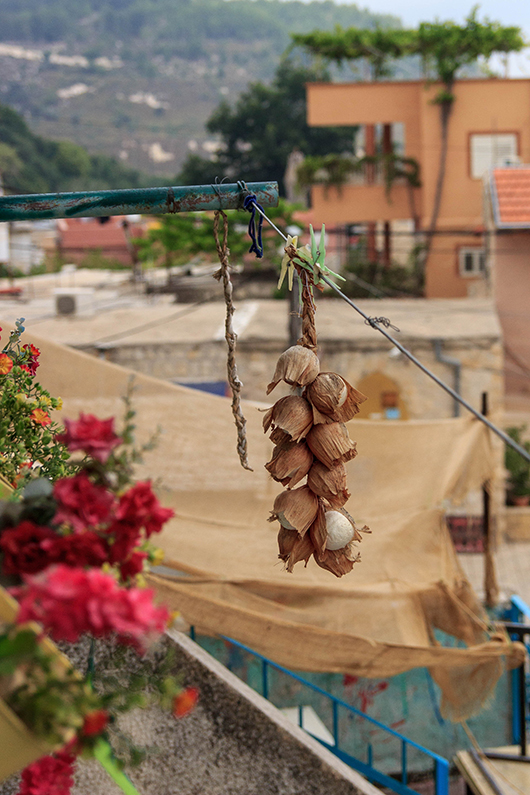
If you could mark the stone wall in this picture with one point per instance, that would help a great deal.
(206, 361)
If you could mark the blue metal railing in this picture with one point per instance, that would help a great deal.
(367, 769)
(519, 612)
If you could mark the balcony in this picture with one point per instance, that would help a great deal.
(359, 202)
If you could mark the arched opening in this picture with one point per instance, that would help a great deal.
(384, 399)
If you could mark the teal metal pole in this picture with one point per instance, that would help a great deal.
(144, 201)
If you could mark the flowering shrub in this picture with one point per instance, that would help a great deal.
(79, 546)
(69, 602)
(84, 519)
(51, 775)
(26, 428)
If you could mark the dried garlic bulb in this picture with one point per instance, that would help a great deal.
(291, 414)
(290, 463)
(331, 444)
(339, 561)
(332, 396)
(295, 509)
(329, 483)
(297, 366)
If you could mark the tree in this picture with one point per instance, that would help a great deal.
(262, 129)
(444, 49)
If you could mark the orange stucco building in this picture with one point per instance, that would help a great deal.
(489, 126)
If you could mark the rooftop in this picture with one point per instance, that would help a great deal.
(122, 317)
(511, 197)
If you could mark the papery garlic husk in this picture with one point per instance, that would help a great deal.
(332, 396)
(295, 509)
(290, 463)
(291, 414)
(339, 561)
(318, 531)
(331, 444)
(297, 366)
(356, 531)
(302, 550)
(286, 542)
(329, 483)
(278, 437)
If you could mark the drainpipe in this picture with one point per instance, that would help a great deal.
(456, 364)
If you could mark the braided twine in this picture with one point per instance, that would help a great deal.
(231, 337)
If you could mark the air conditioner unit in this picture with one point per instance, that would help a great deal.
(74, 301)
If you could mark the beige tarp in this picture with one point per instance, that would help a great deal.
(376, 621)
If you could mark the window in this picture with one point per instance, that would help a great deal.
(472, 261)
(489, 150)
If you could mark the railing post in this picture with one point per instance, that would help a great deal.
(301, 716)
(335, 723)
(404, 773)
(441, 777)
(192, 632)
(265, 679)
(370, 759)
(522, 706)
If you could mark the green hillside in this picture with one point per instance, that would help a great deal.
(137, 79)
(31, 164)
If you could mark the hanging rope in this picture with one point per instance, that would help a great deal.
(231, 337)
(309, 332)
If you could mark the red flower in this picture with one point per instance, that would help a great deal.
(133, 565)
(49, 775)
(6, 364)
(94, 436)
(40, 417)
(82, 549)
(95, 722)
(126, 537)
(141, 507)
(32, 350)
(71, 602)
(185, 702)
(81, 503)
(24, 548)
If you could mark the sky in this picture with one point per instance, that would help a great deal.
(507, 12)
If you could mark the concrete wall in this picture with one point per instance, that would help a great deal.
(511, 253)
(233, 743)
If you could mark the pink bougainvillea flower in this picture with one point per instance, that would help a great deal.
(95, 722)
(81, 503)
(40, 416)
(185, 702)
(94, 436)
(49, 775)
(71, 602)
(6, 364)
(25, 548)
(141, 507)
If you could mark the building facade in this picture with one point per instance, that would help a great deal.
(489, 126)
